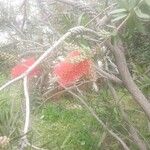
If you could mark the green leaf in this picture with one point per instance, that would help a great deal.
(86, 48)
(131, 23)
(118, 11)
(142, 15)
(132, 3)
(140, 27)
(119, 17)
(147, 2)
(123, 4)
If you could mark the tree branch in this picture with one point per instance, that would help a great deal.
(133, 131)
(126, 77)
(26, 94)
(108, 76)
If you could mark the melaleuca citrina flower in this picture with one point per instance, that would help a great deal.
(72, 68)
(23, 66)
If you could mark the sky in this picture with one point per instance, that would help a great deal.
(4, 36)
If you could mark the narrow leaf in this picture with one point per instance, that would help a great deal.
(119, 17)
(133, 3)
(123, 3)
(147, 2)
(118, 11)
(142, 15)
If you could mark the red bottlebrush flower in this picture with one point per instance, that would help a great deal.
(23, 66)
(68, 72)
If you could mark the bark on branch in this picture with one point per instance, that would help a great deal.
(132, 130)
(126, 77)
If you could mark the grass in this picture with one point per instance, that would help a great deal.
(61, 126)
(64, 128)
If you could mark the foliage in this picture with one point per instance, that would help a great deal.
(135, 11)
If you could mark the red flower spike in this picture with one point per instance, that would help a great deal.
(68, 73)
(23, 66)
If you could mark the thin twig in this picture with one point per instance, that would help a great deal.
(23, 142)
(11, 82)
(133, 131)
(122, 23)
(99, 120)
(108, 76)
(103, 11)
(26, 94)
